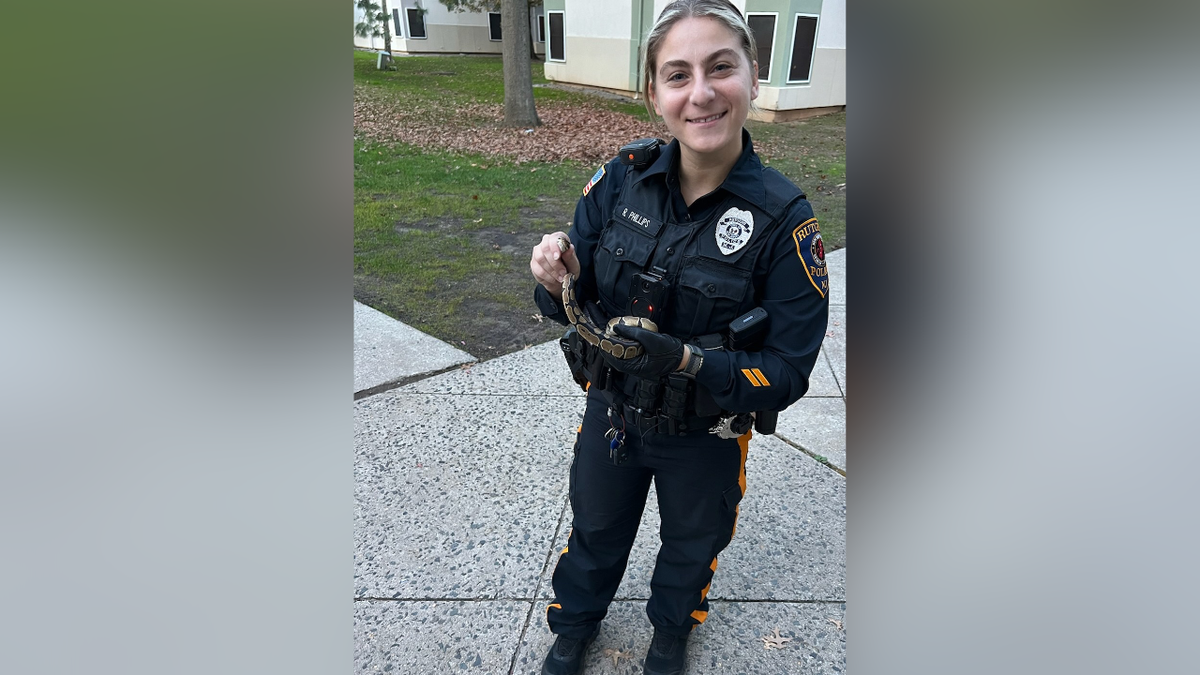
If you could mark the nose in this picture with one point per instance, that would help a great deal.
(702, 91)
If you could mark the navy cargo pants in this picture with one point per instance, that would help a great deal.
(699, 478)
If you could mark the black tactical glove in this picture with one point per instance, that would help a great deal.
(660, 355)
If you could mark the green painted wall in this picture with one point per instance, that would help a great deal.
(784, 31)
(642, 20)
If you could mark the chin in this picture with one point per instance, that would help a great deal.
(706, 144)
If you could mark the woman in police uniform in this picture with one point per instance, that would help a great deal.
(712, 235)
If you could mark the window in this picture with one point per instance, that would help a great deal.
(416, 23)
(494, 26)
(763, 27)
(555, 19)
(398, 32)
(541, 31)
(803, 44)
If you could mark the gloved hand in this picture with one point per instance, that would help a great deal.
(660, 355)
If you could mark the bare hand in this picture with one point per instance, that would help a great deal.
(552, 259)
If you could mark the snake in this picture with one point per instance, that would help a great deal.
(605, 339)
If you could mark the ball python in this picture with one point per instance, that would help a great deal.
(605, 339)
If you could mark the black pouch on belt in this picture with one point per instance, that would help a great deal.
(675, 396)
(645, 398)
(572, 349)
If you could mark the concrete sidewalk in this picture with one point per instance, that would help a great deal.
(461, 509)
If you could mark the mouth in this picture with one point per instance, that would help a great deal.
(710, 118)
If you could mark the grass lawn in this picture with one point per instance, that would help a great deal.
(442, 238)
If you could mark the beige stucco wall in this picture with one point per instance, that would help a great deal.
(828, 86)
(451, 38)
(449, 32)
(584, 55)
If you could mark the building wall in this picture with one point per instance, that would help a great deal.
(598, 43)
(447, 31)
(827, 86)
(602, 48)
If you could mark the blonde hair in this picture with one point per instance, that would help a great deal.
(721, 10)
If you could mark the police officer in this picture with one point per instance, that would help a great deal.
(694, 234)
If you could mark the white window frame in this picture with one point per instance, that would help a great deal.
(408, 23)
(394, 24)
(501, 38)
(549, 37)
(774, 34)
(540, 35)
(812, 57)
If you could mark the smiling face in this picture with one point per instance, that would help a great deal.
(702, 85)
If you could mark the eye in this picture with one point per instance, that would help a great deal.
(675, 77)
(722, 67)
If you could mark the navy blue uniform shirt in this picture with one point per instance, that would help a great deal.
(789, 277)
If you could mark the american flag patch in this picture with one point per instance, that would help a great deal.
(595, 179)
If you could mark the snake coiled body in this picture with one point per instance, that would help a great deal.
(605, 339)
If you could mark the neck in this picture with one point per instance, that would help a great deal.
(701, 173)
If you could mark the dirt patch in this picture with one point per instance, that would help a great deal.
(492, 333)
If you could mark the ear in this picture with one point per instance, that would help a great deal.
(654, 100)
(754, 82)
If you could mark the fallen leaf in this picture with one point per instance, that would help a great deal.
(836, 623)
(775, 641)
(495, 247)
(539, 317)
(616, 655)
(829, 333)
(477, 220)
(474, 196)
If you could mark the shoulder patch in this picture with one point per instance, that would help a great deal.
(595, 179)
(811, 250)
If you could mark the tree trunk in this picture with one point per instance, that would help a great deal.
(387, 32)
(519, 110)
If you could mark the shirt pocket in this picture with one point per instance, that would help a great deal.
(708, 297)
(622, 253)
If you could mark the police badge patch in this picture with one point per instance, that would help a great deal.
(734, 230)
(811, 250)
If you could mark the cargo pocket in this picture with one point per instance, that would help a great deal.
(709, 296)
(571, 475)
(732, 497)
(622, 253)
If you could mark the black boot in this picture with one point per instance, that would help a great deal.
(667, 655)
(566, 656)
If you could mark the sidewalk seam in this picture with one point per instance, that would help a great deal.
(538, 586)
(535, 600)
(819, 459)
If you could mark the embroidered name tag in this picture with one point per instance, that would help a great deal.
(639, 220)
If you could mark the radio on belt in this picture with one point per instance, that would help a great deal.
(745, 332)
(640, 152)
